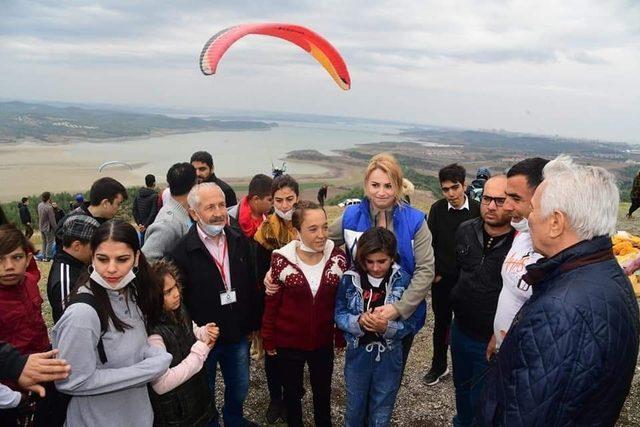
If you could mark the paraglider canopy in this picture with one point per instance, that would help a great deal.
(113, 162)
(307, 39)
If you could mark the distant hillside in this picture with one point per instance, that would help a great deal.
(19, 120)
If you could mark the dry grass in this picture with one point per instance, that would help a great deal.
(417, 405)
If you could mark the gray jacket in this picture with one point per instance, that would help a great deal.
(46, 217)
(114, 393)
(171, 224)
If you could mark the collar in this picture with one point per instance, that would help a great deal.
(579, 255)
(465, 205)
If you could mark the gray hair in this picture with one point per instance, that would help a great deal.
(193, 198)
(587, 195)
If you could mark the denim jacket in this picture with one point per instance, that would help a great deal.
(350, 305)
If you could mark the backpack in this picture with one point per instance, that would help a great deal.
(89, 299)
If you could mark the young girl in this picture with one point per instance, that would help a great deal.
(298, 322)
(373, 361)
(181, 396)
(273, 234)
(111, 365)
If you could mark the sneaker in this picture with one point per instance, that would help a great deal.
(433, 377)
(273, 412)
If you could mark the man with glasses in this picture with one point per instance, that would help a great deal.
(481, 247)
(444, 218)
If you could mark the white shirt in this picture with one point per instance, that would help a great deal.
(465, 205)
(313, 273)
(511, 296)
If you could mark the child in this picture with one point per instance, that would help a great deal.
(21, 321)
(373, 360)
(181, 396)
(251, 212)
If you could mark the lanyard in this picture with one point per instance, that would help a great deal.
(220, 264)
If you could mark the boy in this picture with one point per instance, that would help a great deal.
(252, 210)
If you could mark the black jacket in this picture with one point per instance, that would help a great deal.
(25, 215)
(229, 194)
(474, 297)
(191, 403)
(11, 362)
(64, 273)
(145, 206)
(203, 284)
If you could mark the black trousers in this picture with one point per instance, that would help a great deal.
(635, 204)
(274, 378)
(320, 364)
(442, 313)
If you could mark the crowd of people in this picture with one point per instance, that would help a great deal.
(540, 320)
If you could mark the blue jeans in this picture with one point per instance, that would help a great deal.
(234, 364)
(469, 368)
(372, 374)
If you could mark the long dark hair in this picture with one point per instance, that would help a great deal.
(161, 269)
(144, 287)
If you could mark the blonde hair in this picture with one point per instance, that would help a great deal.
(389, 165)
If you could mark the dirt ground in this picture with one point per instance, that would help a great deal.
(417, 405)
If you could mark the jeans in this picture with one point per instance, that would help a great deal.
(48, 239)
(469, 369)
(372, 385)
(442, 314)
(274, 378)
(320, 363)
(234, 364)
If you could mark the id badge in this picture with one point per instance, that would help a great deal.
(227, 297)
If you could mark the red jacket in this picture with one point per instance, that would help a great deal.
(293, 318)
(21, 321)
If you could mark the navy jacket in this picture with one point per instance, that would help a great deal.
(570, 354)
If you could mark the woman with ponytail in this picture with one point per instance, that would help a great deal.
(103, 335)
(298, 324)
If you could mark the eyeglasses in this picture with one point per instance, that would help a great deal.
(486, 200)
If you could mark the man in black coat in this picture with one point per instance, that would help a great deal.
(203, 162)
(145, 206)
(220, 286)
(481, 247)
(25, 217)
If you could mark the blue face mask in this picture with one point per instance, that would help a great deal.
(211, 229)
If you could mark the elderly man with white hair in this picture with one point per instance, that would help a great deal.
(220, 286)
(571, 351)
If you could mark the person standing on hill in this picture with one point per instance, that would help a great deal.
(25, 217)
(105, 197)
(173, 220)
(322, 195)
(252, 211)
(203, 162)
(481, 247)
(145, 206)
(443, 220)
(635, 196)
(47, 224)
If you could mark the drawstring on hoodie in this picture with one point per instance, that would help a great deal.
(381, 348)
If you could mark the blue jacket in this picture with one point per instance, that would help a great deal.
(570, 354)
(406, 223)
(350, 305)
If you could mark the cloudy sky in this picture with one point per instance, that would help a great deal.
(569, 67)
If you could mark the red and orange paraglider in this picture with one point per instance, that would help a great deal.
(307, 39)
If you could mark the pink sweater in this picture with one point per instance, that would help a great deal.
(187, 368)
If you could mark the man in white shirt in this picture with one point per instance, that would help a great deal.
(522, 180)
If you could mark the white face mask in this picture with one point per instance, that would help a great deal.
(284, 215)
(128, 278)
(521, 226)
(305, 248)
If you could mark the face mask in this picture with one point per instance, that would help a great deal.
(285, 216)
(128, 278)
(305, 248)
(211, 229)
(521, 226)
